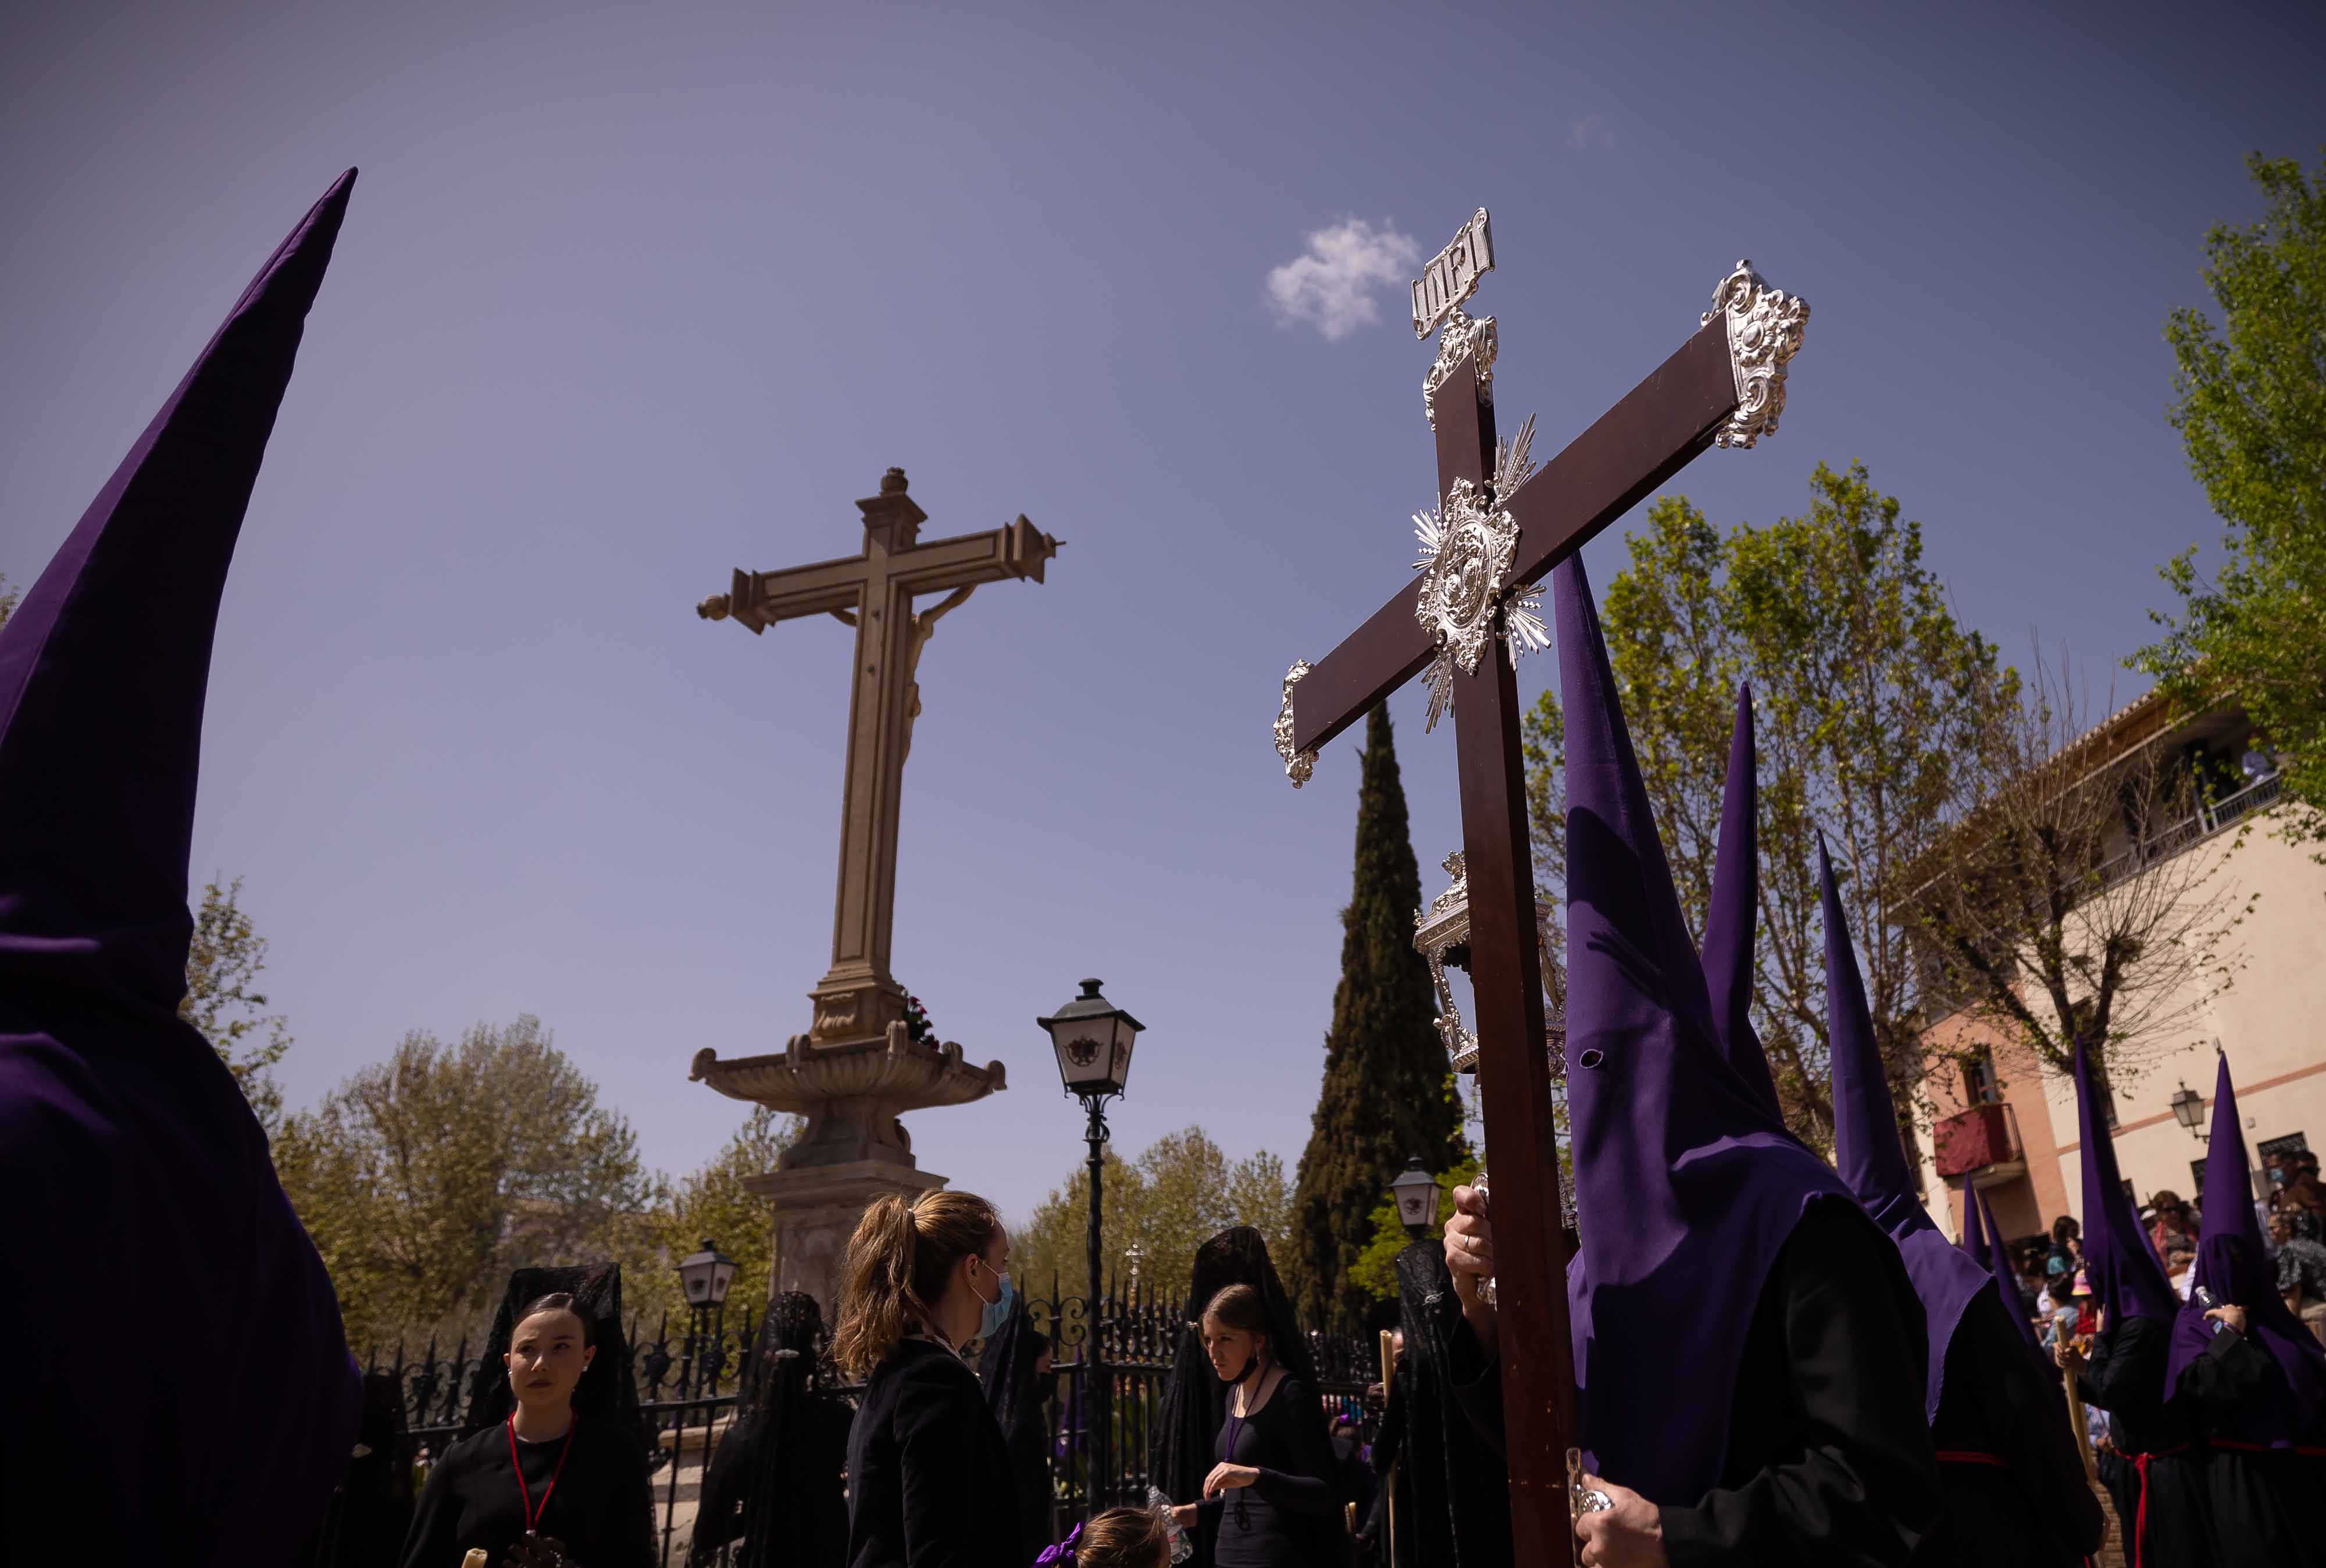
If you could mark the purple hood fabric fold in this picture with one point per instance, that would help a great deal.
(145, 1201)
(2119, 1258)
(2232, 1265)
(1870, 1154)
(1728, 929)
(1978, 1225)
(1685, 1186)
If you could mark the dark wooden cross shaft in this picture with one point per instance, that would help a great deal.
(1645, 438)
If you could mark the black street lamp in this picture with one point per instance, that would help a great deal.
(1416, 1192)
(704, 1276)
(1092, 1039)
(2188, 1109)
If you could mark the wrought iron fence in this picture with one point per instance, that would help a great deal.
(1117, 1360)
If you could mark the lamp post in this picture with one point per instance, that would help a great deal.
(704, 1276)
(1416, 1192)
(1093, 1037)
(2188, 1109)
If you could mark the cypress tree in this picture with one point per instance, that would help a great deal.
(1388, 1094)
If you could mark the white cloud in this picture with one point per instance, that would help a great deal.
(1332, 287)
(1591, 131)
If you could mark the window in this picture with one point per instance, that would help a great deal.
(1980, 1084)
(2197, 1178)
(2274, 1152)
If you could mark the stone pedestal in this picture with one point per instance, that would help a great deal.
(816, 1209)
(855, 1148)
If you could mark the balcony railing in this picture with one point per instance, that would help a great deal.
(2210, 818)
(1983, 1136)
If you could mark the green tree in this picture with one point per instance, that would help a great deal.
(1388, 1092)
(713, 1204)
(1871, 700)
(222, 966)
(8, 598)
(2251, 411)
(425, 1179)
(1177, 1194)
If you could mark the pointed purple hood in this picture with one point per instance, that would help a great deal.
(2119, 1258)
(145, 1197)
(1736, 905)
(1985, 1241)
(2233, 1266)
(1869, 1153)
(1685, 1186)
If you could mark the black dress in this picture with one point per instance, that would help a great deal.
(1285, 1519)
(1829, 1456)
(598, 1507)
(929, 1479)
(2254, 1496)
(2124, 1375)
(2017, 1493)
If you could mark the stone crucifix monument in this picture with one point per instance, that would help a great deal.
(858, 1066)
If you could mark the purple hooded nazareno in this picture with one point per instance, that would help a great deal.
(2232, 1265)
(1978, 1225)
(1728, 928)
(186, 1394)
(2119, 1261)
(1687, 1186)
(1870, 1154)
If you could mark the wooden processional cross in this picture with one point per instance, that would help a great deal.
(1497, 528)
(873, 591)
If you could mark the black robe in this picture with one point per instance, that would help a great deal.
(1829, 1458)
(1451, 1491)
(2254, 1498)
(928, 1473)
(598, 1506)
(2035, 1509)
(2124, 1375)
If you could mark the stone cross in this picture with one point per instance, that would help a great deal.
(1499, 528)
(873, 591)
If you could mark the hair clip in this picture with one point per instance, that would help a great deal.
(1061, 1555)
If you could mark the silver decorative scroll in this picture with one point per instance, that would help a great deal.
(1466, 549)
(1765, 332)
(1300, 766)
(1453, 273)
(1444, 285)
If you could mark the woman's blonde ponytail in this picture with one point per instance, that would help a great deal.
(896, 1269)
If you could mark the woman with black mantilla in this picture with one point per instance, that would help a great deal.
(775, 1479)
(546, 1486)
(928, 1472)
(1268, 1501)
(1015, 1369)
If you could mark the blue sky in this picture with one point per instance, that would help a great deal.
(629, 297)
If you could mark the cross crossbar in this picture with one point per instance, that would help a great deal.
(1652, 434)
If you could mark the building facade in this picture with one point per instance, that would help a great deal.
(2008, 1124)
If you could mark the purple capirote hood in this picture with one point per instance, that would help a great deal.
(192, 1388)
(1978, 1225)
(2119, 1260)
(1685, 1186)
(2232, 1265)
(1728, 928)
(1872, 1156)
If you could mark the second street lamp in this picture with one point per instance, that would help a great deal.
(1416, 1192)
(704, 1276)
(1093, 1037)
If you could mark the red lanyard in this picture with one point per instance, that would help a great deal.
(524, 1495)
